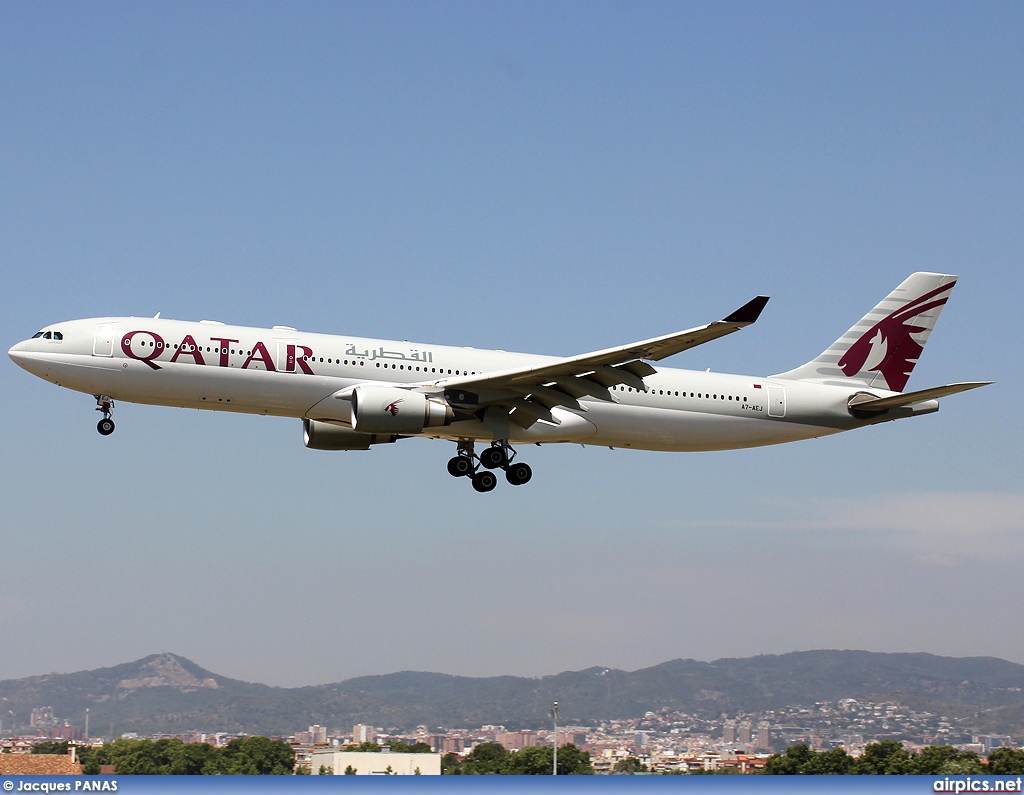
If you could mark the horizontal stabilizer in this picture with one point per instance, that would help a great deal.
(863, 402)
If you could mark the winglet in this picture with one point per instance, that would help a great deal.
(749, 312)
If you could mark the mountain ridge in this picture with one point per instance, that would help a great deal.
(170, 693)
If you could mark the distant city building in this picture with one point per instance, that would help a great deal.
(576, 738)
(728, 735)
(64, 732)
(42, 718)
(317, 734)
(517, 741)
(743, 734)
(451, 745)
(990, 742)
(361, 733)
(764, 739)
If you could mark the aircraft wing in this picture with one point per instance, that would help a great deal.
(528, 394)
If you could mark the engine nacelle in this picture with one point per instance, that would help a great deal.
(387, 409)
(327, 436)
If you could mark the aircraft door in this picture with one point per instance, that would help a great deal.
(776, 401)
(286, 355)
(103, 342)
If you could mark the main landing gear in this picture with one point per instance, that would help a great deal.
(106, 405)
(477, 468)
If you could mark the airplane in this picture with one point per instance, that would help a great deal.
(353, 393)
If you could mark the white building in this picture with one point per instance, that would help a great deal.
(369, 763)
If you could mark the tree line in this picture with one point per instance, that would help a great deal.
(492, 759)
(888, 758)
(246, 756)
(263, 756)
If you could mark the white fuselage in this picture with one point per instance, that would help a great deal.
(284, 372)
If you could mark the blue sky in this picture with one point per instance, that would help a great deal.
(528, 176)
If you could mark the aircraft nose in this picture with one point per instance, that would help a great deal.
(18, 353)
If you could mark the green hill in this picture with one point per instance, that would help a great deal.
(168, 693)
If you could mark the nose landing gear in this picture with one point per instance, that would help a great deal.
(498, 456)
(106, 405)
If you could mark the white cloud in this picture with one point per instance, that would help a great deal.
(942, 528)
(939, 528)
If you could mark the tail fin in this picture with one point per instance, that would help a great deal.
(882, 349)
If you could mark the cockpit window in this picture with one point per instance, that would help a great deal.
(47, 335)
(37, 335)
(57, 335)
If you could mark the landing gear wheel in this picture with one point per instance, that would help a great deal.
(460, 466)
(105, 405)
(518, 474)
(484, 481)
(494, 457)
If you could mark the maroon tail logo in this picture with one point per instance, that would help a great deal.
(392, 408)
(888, 347)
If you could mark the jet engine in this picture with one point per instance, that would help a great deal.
(386, 409)
(328, 436)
